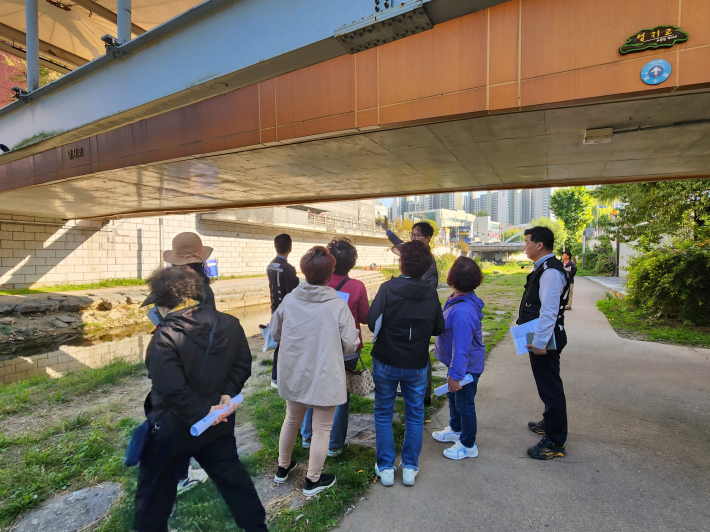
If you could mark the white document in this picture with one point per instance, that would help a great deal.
(378, 326)
(520, 332)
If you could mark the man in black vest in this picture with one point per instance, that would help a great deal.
(282, 280)
(545, 297)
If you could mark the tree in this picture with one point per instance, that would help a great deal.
(573, 206)
(509, 233)
(650, 212)
(18, 72)
(557, 228)
(403, 228)
(482, 213)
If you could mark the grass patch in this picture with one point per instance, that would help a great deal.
(630, 321)
(23, 395)
(267, 362)
(72, 455)
(106, 283)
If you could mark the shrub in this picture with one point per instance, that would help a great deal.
(443, 265)
(672, 283)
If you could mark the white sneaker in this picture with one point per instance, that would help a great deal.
(408, 476)
(194, 477)
(459, 451)
(446, 435)
(386, 475)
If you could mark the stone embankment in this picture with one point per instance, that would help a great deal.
(55, 333)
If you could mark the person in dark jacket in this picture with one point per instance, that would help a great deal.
(460, 348)
(197, 360)
(421, 232)
(188, 250)
(571, 268)
(405, 314)
(282, 281)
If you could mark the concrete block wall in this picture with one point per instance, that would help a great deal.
(38, 251)
(71, 358)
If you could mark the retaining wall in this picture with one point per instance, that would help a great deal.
(47, 251)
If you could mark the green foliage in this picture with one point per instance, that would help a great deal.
(106, 283)
(557, 228)
(21, 395)
(510, 233)
(573, 205)
(672, 283)
(444, 264)
(482, 213)
(72, 455)
(630, 320)
(650, 212)
(599, 261)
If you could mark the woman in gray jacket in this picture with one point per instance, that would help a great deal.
(315, 329)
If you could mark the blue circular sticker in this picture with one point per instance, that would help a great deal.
(655, 72)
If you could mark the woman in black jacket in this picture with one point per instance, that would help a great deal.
(198, 359)
(409, 314)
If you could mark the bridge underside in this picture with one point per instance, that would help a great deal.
(520, 150)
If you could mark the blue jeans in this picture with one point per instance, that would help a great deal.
(462, 410)
(339, 430)
(413, 384)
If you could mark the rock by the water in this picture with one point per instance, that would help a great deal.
(37, 305)
(77, 304)
(7, 308)
(71, 512)
(500, 312)
(247, 438)
(66, 319)
(7, 321)
(109, 303)
(59, 324)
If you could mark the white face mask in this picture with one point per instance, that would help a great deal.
(163, 311)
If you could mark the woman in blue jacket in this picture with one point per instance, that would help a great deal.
(461, 349)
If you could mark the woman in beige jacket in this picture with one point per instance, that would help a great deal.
(314, 328)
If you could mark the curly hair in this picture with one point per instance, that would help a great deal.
(175, 285)
(464, 275)
(345, 255)
(415, 259)
(317, 265)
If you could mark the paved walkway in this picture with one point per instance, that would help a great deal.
(638, 449)
(615, 284)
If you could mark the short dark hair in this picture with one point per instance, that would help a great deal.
(175, 285)
(571, 257)
(425, 228)
(317, 265)
(465, 275)
(541, 234)
(282, 243)
(416, 258)
(345, 255)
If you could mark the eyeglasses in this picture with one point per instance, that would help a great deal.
(415, 235)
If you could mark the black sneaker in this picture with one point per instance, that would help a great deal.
(538, 427)
(545, 450)
(282, 472)
(324, 482)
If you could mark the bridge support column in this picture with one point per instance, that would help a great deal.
(32, 43)
(123, 15)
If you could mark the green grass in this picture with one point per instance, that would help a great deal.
(230, 277)
(24, 395)
(72, 455)
(106, 283)
(626, 319)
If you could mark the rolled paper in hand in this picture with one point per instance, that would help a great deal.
(206, 422)
(441, 390)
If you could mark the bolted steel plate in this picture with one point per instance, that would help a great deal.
(386, 27)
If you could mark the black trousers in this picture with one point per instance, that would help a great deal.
(160, 465)
(546, 370)
(273, 368)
